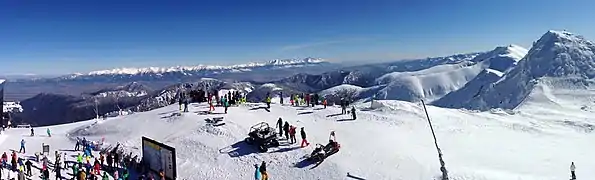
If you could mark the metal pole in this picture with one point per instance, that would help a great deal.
(442, 164)
(96, 108)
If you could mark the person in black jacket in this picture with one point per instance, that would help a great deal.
(343, 106)
(116, 160)
(353, 112)
(28, 165)
(280, 125)
(263, 170)
(181, 100)
(58, 174)
(110, 160)
(303, 134)
(286, 129)
(46, 173)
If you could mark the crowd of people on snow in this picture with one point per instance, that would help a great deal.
(289, 132)
(112, 162)
(228, 99)
(214, 99)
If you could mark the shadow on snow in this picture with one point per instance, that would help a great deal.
(239, 149)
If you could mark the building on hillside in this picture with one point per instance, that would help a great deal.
(11, 107)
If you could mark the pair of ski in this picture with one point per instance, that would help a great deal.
(216, 121)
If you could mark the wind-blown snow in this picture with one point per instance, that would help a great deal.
(240, 67)
(392, 142)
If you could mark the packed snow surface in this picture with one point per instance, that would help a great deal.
(393, 141)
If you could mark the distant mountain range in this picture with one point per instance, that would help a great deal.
(156, 78)
(160, 73)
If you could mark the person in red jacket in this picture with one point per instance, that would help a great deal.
(4, 160)
(96, 167)
(292, 134)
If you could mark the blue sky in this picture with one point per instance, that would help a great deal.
(58, 37)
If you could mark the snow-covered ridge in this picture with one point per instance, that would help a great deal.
(240, 67)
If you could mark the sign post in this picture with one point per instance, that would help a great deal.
(159, 156)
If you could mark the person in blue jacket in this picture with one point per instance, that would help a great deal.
(22, 146)
(257, 175)
(49, 134)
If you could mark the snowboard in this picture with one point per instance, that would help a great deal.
(354, 177)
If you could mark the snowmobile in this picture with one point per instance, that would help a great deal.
(322, 152)
(263, 136)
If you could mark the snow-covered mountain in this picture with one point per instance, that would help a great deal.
(409, 80)
(498, 61)
(558, 62)
(166, 73)
(133, 89)
(427, 84)
(366, 75)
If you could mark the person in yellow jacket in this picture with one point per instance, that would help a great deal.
(268, 101)
(82, 175)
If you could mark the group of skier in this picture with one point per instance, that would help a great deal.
(49, 133)
(23, 168)
(261, 171)
(289, 131)
(344, 105)
(306, 99)
(228, 99)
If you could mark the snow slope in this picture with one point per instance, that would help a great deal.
(428, 84)
(391, 142)
(560, 60)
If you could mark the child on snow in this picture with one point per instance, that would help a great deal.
(257, 175)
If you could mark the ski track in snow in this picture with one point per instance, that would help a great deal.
(389, 142)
